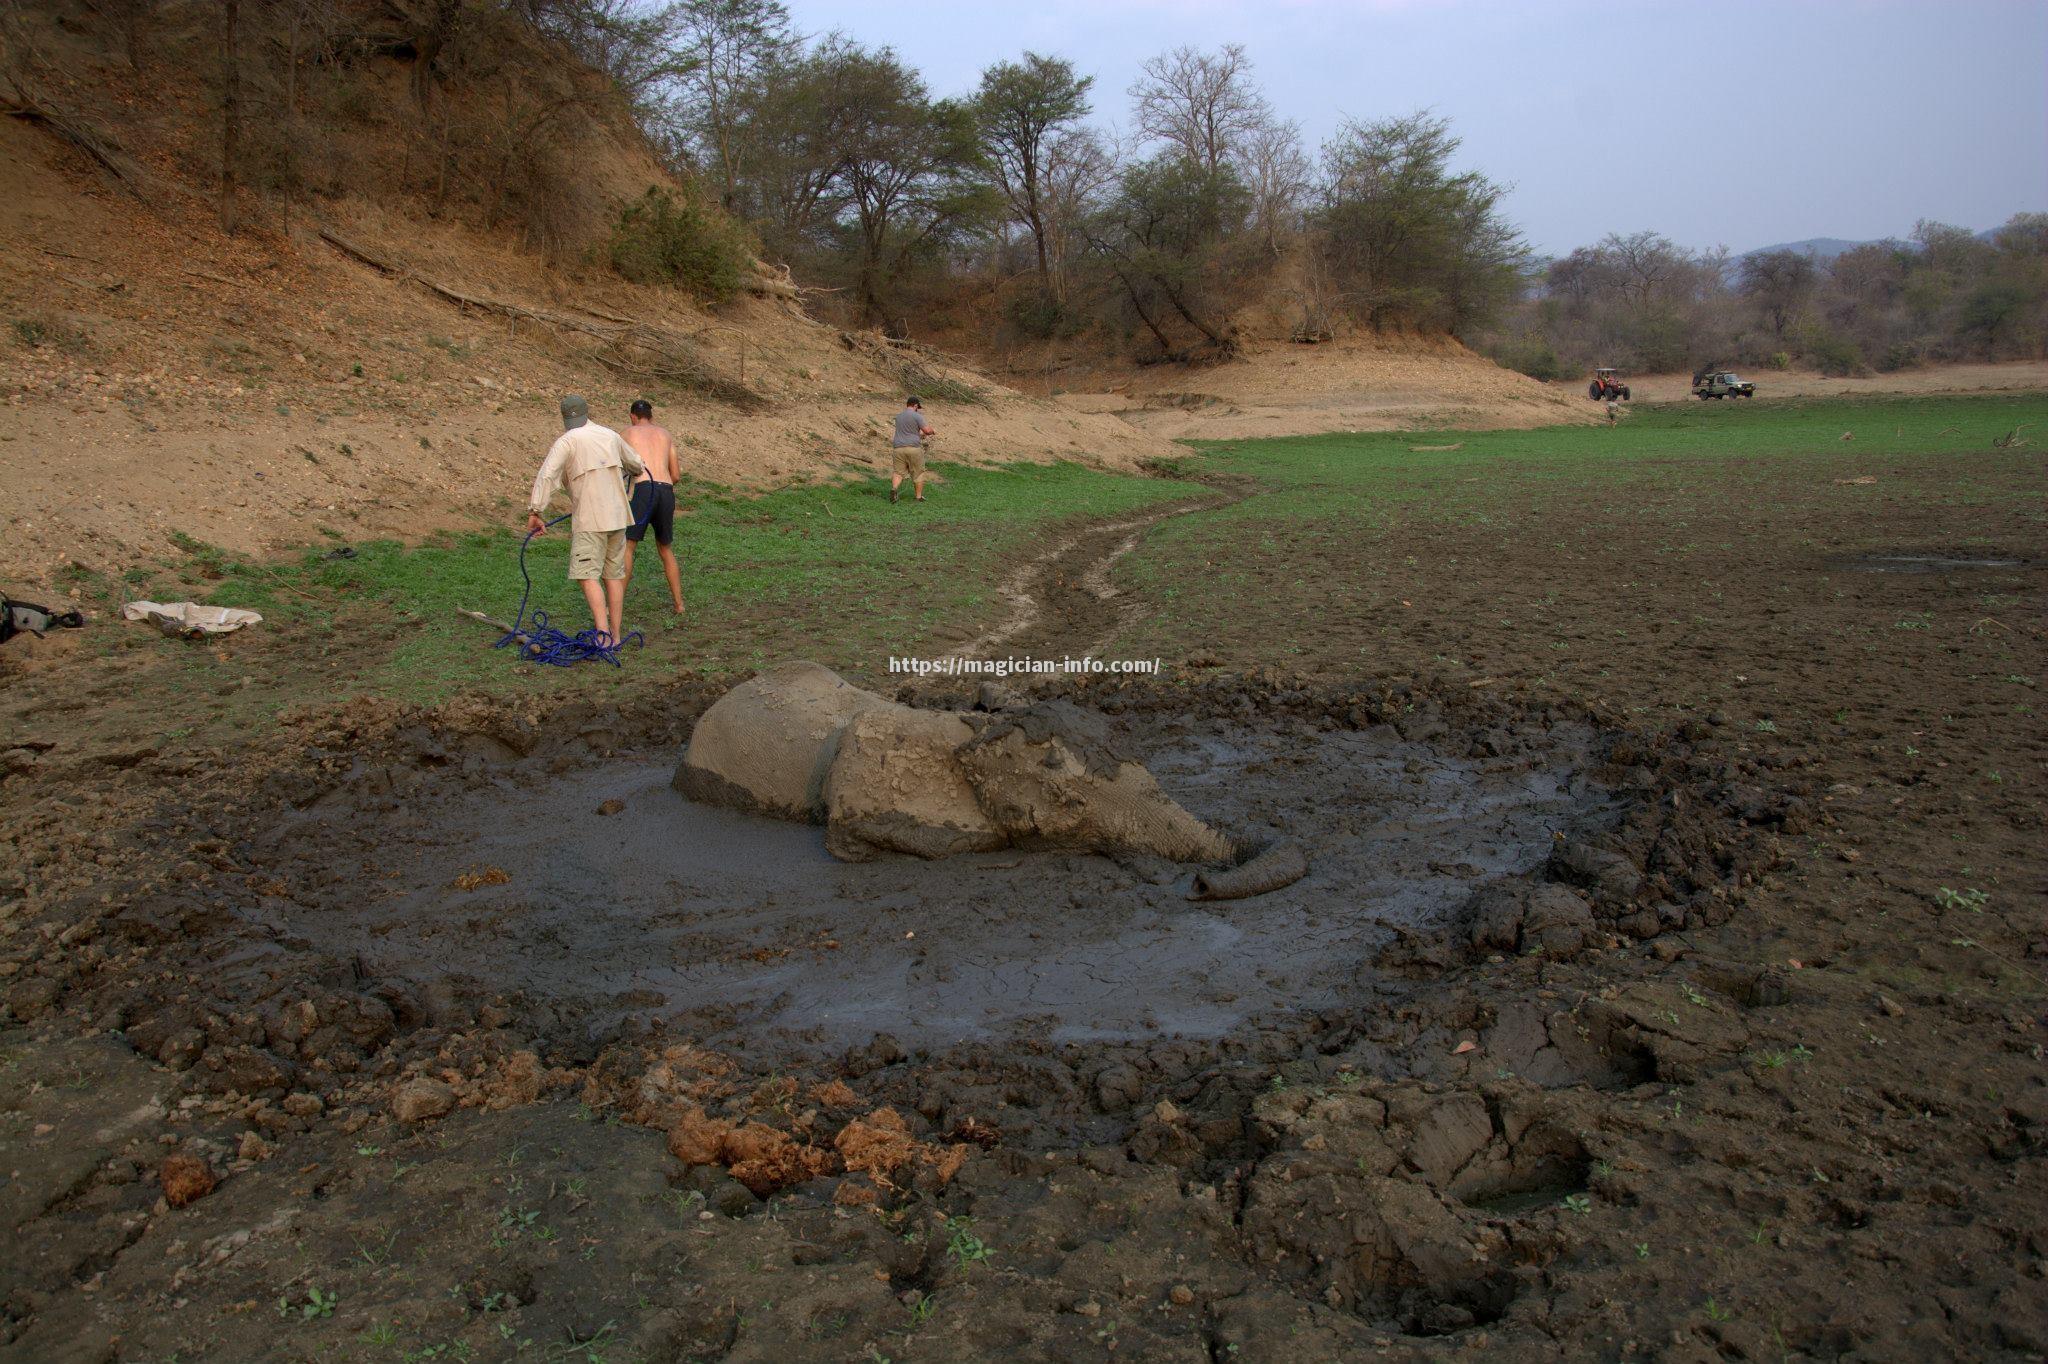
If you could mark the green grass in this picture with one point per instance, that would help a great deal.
(830, 572)
(1350, 552)
(1667, 444)
(1345, 527)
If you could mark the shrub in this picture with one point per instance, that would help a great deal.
(1835, 355)
(1779, 359)
(1899, 355)
(36, 332)
(662, 239)
(1041, 316)
(1530, 355)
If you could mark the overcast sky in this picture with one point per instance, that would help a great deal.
(1726, 122)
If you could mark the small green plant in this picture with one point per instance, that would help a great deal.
(383, 1333)
(1716, 1312)
(1693, 997)
(962, 1244)
(1578, 1203)
(1766, 727)
(1642, 1250)
(312, 1307)
(921, 1310)
(1972, 899)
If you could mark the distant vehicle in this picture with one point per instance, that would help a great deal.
(1607, 386)
(1721, 383)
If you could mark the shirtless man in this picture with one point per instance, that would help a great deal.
(654, 495)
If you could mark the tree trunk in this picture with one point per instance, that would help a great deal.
(230, 110)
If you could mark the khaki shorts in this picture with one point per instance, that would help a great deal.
(909, 460)
(594, 550)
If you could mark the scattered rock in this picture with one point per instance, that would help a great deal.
(612, 806)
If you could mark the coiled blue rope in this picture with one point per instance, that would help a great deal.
(543, 643)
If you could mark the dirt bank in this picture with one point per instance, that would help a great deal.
(160, 380)
(1283, 389)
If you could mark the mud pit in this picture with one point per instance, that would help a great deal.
(407, 961)
(742, 932)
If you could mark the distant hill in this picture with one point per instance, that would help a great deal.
(1820, 248)
(1825, 249)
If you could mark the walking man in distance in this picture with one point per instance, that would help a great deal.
(909, 448)
(654, 495)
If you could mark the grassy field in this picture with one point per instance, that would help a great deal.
(833, 572)
(1366, 553)
(1351, 553)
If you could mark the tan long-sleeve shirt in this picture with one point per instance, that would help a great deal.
(587, 462)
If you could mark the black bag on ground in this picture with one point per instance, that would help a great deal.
(26, 618)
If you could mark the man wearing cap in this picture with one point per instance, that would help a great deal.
(907, 448)
(587, 459)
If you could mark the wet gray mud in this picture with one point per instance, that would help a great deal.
(735, 929)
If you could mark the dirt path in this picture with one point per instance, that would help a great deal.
(1062, 601)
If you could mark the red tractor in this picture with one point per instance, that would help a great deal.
(1607, 387)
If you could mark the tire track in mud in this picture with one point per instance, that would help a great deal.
(1062, 601)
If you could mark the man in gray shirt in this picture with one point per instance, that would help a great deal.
(909, 448)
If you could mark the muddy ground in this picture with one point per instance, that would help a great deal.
(1625, 1032)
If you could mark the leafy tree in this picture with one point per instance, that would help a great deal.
(908, 168)
(1410, 241)
(1164, 238)
(1021, 113)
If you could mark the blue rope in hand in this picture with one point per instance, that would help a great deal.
(543, 643)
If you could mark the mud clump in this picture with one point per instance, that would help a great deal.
(186, 1178)
(767, 1159)
(422, 1101)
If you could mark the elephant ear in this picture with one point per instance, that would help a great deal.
(896, 786)
(1052, 774)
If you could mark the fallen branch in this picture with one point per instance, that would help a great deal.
(519, 637)
(1459, 446)
(21, 99)
(673, 356)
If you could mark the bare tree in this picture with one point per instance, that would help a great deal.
(1080, 164)
(1277, 173)
(230, 108)
(1779, 283)
(1644, 260)
(727, 45)
(1202, 104)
